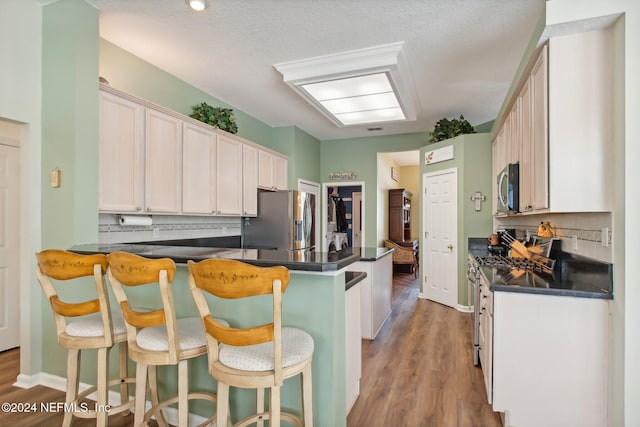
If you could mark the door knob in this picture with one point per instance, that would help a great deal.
(450, 246)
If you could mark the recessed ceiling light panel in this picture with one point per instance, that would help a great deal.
(198, 5)
(357, 87)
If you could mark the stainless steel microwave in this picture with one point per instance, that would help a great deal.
(509, 189)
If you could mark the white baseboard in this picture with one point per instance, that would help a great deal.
(465, 308)
(57, 382)
(461, 308)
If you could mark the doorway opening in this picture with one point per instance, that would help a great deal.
(9, 235)
(343, 215)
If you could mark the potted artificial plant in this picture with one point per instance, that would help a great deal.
(445, 129)
(218, 117)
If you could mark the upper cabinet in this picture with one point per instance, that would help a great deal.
(249, 180)
(163, 163)
(229, 176)
(155, 161)
(272, 171)
(198, 170)
(121, 151)
(559, 127)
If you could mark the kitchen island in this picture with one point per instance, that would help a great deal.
(314, 301)
(544, 340)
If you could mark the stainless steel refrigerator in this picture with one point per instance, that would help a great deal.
(285, 221)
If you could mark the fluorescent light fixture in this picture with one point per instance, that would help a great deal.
(198, 5)
(357, 87)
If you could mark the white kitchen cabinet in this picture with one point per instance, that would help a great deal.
(485, 339)
(272, 171)
(163, 163)
(566, 157)
(155, 161)
(534, 167)
(526, 158)
(550, 359)
(513, 146)
(539, 134)
(580, 122)
(249, 180)
(121, 154)
(353, 344)
(198, 170)
(375, 293)
(499, 161)
(280, 173)
(228, 176)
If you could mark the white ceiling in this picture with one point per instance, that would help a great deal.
(463, 54)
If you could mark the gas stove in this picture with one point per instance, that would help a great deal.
(503, 262)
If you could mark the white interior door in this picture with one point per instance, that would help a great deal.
(9, 247)
(356, 227)
(440, 278)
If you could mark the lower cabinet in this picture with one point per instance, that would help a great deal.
(485, 340)
(353, 344)
(550, 359)
(375, 294)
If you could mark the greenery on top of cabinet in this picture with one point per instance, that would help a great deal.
(445, 129)
(218, 117)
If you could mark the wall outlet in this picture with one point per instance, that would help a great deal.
(225, 230)
(574, 242)
(156, 232)
(605, 236)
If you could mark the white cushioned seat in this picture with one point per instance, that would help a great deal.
(91, 325)
(297, 345)
(190, 335)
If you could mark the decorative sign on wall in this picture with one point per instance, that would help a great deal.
(394, 174)
(439, 155)
(343, 175)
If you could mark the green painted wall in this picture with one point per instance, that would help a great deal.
(303, 151)
(472, 158)
(20, 102)
(69, 142)
(130, 74)
(360, 155)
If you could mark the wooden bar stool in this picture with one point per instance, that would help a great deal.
(92, 327)
(156, 337)
(258, 357)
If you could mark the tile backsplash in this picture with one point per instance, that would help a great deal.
(581, 233)
(166, 227)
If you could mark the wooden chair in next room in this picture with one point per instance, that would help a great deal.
(259, 356)
(87, 325)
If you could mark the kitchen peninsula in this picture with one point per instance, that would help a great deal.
(314, 301)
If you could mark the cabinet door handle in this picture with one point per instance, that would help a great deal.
(138, 208)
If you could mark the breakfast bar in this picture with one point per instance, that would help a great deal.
(314, 301)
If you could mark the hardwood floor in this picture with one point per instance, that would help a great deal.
(36, 416)
(418, 372)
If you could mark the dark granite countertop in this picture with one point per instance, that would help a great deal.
(293, 260)
(374, 254)
(352, 278)
(573, 275)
